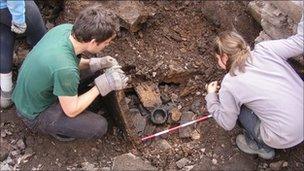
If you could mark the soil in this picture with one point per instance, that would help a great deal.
(173, 51)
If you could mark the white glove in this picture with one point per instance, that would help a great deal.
(102, 63)
(113, 79)
(18, 28)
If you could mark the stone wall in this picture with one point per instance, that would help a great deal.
(278, 18)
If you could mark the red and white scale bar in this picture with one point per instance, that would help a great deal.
(177, 127)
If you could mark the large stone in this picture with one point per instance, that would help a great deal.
(129, 161)
(5, 149)
(175, 114)
(277, 18)
(149, 95)
(133, 14)
(186, 132)
(276, 165)
(182, 163)
(161, 145)
(138, 121)
(230, 15)
(291, 8)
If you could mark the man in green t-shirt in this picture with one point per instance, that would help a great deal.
(46, 93)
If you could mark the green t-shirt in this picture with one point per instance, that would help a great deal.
(49, 70)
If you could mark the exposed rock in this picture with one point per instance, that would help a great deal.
(175, 114)
(129, 161)
(20, 144)
(188, 168)
(285, 164)
(5, 149)
(188, 90)
(106, 169)
(88, 166)
(195, 135)
(186, 131)
(276, 165)
(5, 166)
(214, 161)
(196, 107)
(3, 134)
(162, 145)
(277, 18)
(138, 121)
(133, 14)
(291, 8)
(182, 163)
(224, 16)
(176, 74)
(262, 37)
(149, 95)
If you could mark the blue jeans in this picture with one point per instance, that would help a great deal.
(34, 32)
(251, 125)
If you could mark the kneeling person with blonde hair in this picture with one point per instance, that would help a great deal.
(261, 90)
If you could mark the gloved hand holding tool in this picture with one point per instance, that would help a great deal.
(18, 28)
(113, 79)
(102, 63)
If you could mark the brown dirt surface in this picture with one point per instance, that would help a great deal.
(173, 51)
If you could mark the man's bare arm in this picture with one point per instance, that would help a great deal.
(84, 64)
(74, 105)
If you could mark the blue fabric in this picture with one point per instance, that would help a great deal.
(34, 32)
(16, 8)
(251, 125)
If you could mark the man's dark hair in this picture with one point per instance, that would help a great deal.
(94, 23)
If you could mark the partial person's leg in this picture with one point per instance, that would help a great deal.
(251, 141)
(35, 24)
(7, 40)
(86, 125)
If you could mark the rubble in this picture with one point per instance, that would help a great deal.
(20, 144)
(182, 163)
(138, 121)
(5, 166)
(277, 18)
(195, 135)
(276, 165)
(129, 161)
(88, 166)
(214, 161)
(186, 131)
(162, 145)
(5, 149)
(133, 14)
(175, 114)
(149, 95)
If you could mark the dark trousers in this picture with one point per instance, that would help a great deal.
(251, 125)
(34, 32)
(54, 121)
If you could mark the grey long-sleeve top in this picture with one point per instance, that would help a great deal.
(270, 88)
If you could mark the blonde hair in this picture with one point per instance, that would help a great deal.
(235, 47)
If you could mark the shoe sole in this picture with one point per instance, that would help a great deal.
(244, 148)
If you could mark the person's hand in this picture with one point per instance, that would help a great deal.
(18, 28)
(212, 87)
(102, 63)
(113, 79)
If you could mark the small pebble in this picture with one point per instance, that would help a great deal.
(214, 161)
(285, 164)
